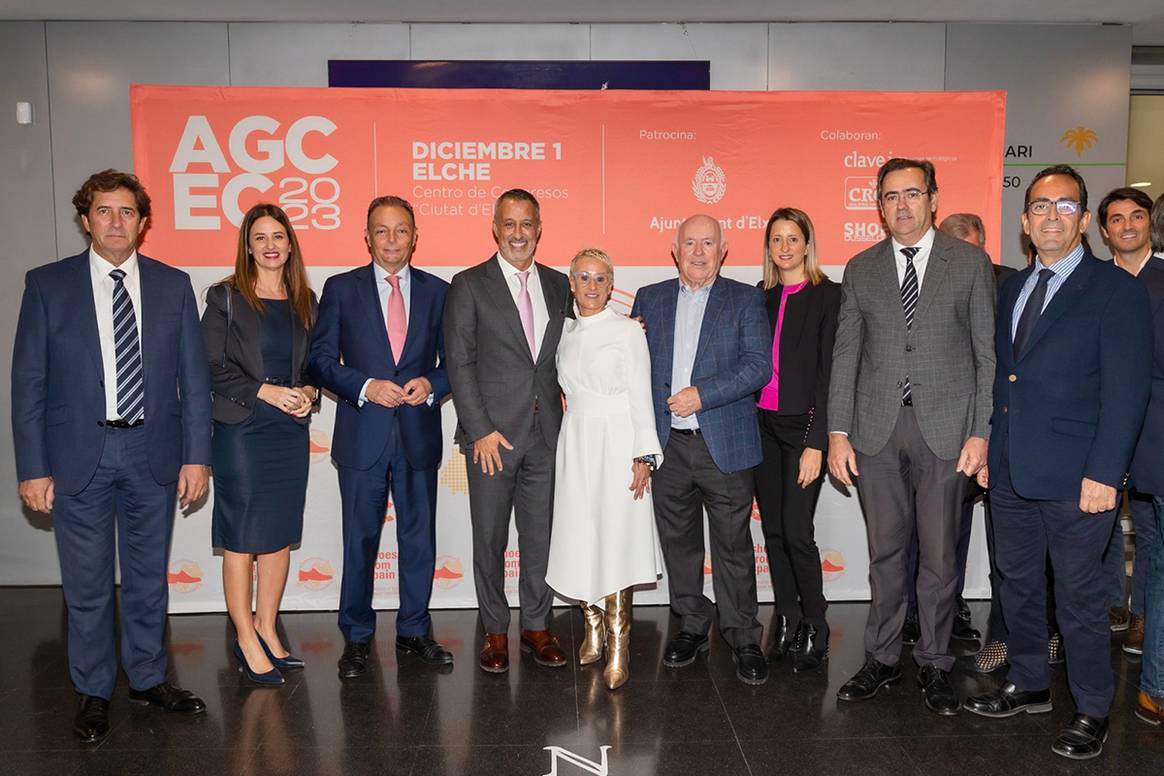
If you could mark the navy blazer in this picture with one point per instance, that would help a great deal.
(58, 384)
(1148, 462)
(1072, 406)
(733, 361)
(349, 345)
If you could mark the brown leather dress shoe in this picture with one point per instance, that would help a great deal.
(495, 653)
(1150, 709)
(545, 648)
(1134, 641)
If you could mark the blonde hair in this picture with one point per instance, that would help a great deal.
(592, 253)
(811, 264)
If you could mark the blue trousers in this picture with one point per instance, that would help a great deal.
(121, 504)
(364, 493)
(1114, 566)
(1152, 665)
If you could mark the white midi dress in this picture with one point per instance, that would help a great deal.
(602, 539)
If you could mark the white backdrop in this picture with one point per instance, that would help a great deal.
(314, 580)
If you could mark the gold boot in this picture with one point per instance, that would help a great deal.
(618, 624)
(593, 635)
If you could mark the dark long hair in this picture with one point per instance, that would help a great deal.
(294, 273)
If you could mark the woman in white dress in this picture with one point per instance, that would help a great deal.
(604, 539)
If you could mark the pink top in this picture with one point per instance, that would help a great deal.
(770, 395)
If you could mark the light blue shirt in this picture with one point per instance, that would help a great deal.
(688, 322)
(1062, 269)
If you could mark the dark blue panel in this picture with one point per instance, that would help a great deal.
(397, 73)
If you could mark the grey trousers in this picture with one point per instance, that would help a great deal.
(686, 484)
(525, 489)
(902, 480)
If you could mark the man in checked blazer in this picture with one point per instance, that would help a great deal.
(711, 351)
(909, 408)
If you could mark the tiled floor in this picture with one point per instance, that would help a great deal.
(405, 718)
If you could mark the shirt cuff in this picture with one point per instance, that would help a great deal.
(842, 433)
(364, 393)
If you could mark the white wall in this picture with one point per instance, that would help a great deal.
(77, 76)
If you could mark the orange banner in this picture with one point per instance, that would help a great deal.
(617, 170)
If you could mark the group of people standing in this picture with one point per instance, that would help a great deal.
(606, 437)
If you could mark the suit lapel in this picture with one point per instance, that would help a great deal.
(795, 315)
(664, 334)
(151, 309)
(82, 289)
(369, 300)
(886, 271)
(937, 267)
(1065, 298)
(716, 301)
(417, 304)
(498, 291)
(555, 314)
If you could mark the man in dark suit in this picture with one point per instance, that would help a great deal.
(502, 325)
(711, 351)
(1074, 344)
(909, 405)
(379, 347)
(111, 419)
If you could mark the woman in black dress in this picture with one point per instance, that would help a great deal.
(256, 327)
(802, 310)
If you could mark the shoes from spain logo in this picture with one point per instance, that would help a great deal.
(860, 192)
(390, 514)
(1079, 139)
(709, 184)
(453, 474)
(449, 572)
(832, 565)
(315, 573)
(512, 569)
(599, 767)
(184, 576)
(320, 446)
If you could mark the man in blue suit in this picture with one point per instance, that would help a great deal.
(378, 346)
(1074, 347)
(711, 351)
(111, 419)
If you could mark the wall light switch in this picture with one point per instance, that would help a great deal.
(24, 113)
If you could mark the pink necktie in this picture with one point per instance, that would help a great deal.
(397, 322)
(525, 309)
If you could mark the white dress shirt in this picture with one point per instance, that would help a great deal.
(534, 284)
(99, 270)
(920, 259)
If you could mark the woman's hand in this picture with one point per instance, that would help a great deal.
(309, 393)
(289, 400)
(810, 465)
(641, 479)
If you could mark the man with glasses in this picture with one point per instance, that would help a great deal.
(909, 405)
(1074, 348)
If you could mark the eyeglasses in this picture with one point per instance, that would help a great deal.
(602, 280)
(1041, 207)
(910, 195)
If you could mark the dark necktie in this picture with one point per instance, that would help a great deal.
(130, 388)
(909, 294)
(1031, 312)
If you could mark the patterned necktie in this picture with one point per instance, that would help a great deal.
(525, 310)
(397, 320)
(1031, 312)
(909, 294)
(127, 351)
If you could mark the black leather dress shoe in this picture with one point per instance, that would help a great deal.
(964, 631)
(779, 640)
(911, 630)
(92, 721)
(962, 610)
(1009, 700)
(940, 695)
(354, 661)
(810, 649)
(1083, 738)
(167, 696)
(683, 649)
(865, 683)
(751, 665)
(425, 648)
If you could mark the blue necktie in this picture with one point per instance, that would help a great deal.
(1031, 312)
(127, 350)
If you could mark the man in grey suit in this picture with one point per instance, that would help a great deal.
(909, 408)
(502, 323)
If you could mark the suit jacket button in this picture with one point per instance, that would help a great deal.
(100, 423)
(909, 348)
(1004, 410)
(1012, 378)
(666, 412)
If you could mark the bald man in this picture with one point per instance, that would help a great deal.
(711, 351)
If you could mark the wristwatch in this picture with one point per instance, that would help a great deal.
(649, 460)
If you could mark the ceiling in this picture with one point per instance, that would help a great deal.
(595, 11)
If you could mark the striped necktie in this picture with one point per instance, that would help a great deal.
(909, 294)
(127, 350)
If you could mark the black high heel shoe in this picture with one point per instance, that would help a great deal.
(271, 678)
(806, 656)
(289, 663)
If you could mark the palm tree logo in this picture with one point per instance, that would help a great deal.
(1080, 139)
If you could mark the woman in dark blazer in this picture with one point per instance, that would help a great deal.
(802, 311)
(257, 326)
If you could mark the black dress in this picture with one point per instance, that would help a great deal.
(260, 465)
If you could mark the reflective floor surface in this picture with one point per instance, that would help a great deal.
(405, 718)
